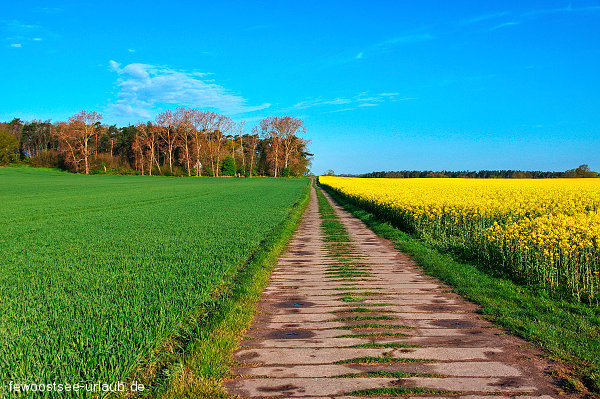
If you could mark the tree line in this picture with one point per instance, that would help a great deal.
(581, 171)
(180, 142)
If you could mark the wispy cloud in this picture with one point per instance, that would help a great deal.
(534, 14)
(416, 36)
(406, 39)
(483, 17)
(566, 9)
(16, 45)
(143, 88)
(504, 25)
(131, 50)
(18, 32)
(360, 100)
(341, 110)
(49, 10)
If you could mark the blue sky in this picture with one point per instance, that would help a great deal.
(382, 85)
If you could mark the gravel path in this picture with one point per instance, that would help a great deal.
(422, 340)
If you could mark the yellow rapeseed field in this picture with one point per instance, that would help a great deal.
(545, 231)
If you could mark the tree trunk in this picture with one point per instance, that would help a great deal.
(85, 156)
(187, 158)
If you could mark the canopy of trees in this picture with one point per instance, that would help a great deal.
(581, 171)
(181, 142)
(9, 148)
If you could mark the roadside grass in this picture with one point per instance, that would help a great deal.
(383, 345)
(389, 374)
(566, 330)
(363, 310)
(362, 318)
(383, 360)
(374, 335)
(198, 368)
(399, 391)
(372, 325)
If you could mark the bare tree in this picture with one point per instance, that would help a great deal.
(252, 144)
(198, 129)
(289, 128)
(217, 127)
(241, 150)
(138, 150)
(148, 144)
(167, 134)
(270, 132)
(77, 134)
(239, 129)
(66, 144)
(184, 126)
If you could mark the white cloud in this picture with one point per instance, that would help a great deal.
(359, 55)
(568, 8)
(131, 50)
(342, 110)
(360, 100)
(18, 32)
(16, 45)
(144, 88)
(407, 39)
(505, 24)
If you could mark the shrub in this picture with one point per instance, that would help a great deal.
(228, 167)
(9, 148)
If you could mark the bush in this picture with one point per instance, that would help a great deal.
(48, 159)
(9, 148)
(101, 163)
(228, 167)
(177, 171)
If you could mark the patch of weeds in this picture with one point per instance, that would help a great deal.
(350, 298)
(383, 345)
(375, 335)
(389, 374)
(359, 318)
(382, 360)
(372, 325)
(398, 391)
(363, 310)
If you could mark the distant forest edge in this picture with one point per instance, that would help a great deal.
(580, 171)
(177, 143)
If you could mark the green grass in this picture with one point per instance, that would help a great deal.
(372, 325)
(382, 360)
(383, 345)
(389, 374)
(363, 310)
(199, 371)
(567, 330)
(98, 273)
(361, 293)
(350, 298)
(359, 318)
(398, 391)
(374, 335)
